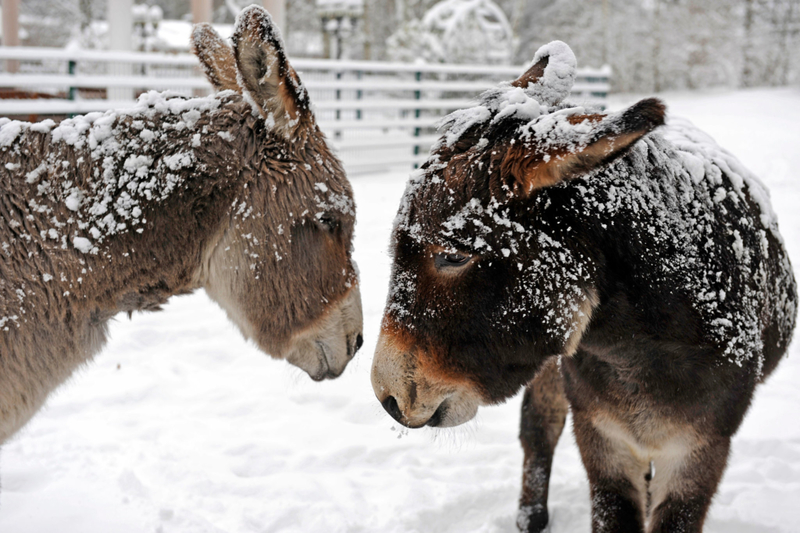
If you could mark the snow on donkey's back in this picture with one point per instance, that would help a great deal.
(621, 266)
(118, 211)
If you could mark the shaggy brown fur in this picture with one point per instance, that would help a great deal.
(118, 212)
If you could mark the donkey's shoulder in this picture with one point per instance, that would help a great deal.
(707, 228)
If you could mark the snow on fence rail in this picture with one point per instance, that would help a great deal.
(378, 115)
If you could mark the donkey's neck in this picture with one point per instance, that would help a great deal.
(100, 204)
(104, 214)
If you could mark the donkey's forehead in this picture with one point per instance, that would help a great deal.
(330, 187)
(450, 198)
(496, 105)
(511, 113)
(305, 170)
(305, 190)
(455, 216)
(338, 200)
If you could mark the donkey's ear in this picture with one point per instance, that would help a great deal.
(533, 74)
(266, 74)
(551, 75)
(215, 56)
(527, 167)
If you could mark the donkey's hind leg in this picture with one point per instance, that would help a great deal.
(544, 410)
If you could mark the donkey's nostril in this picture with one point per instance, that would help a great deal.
(437, 417)
(353, 344)
(390, 404)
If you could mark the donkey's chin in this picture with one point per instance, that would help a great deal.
(315, 358)
(324, 349)
(324, 358)
(454, 411)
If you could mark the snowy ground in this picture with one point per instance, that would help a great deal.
(181, 426)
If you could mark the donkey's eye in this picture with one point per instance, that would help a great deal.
(328, 222)
(445, 260)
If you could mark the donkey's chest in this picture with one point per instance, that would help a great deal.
(647, 448)
(646, 436)
(639, 427)
(644, 398)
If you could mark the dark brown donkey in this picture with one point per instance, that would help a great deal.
(632, 275)
(237, 193)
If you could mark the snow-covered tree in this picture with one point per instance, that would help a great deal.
(651, 45)
(413, 42)
(771, 42)
(456, 31)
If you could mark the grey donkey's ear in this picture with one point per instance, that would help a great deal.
(265, 73)
(215, 56)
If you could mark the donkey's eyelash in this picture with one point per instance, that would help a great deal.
(329, 222)
(451, 260)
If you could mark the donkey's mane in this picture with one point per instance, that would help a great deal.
(93, 174)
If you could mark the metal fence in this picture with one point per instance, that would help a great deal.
(378, 115)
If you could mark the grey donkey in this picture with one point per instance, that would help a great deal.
(237, 193)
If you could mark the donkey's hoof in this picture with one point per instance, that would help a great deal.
(532, 518)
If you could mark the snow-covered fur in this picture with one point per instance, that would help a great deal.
(116, 212)
(621, 264)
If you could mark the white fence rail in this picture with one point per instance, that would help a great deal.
(378, 115)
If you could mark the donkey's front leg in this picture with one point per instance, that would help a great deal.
(544, 410)
(617, 478)
(681, 497)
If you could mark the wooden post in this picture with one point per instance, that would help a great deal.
(11, 30)
(326, 39)
(120, 37)
(367, 29)
(359, 93)
(201, 11)
(277, 10)
(417, 113)
(748, 72)
(73, 91)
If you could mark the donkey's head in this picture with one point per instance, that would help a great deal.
(491, 275)
(281, 263)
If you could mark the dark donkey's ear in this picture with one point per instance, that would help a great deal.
(527, 166)
(266, 73)
(551, 75)
(215, 56)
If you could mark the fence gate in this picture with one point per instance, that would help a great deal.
(377, 115)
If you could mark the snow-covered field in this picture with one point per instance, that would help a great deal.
(181, 426)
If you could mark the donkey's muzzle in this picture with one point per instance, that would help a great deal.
(390, 404)
(415, 396)
(391, 407)
(324, 349)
